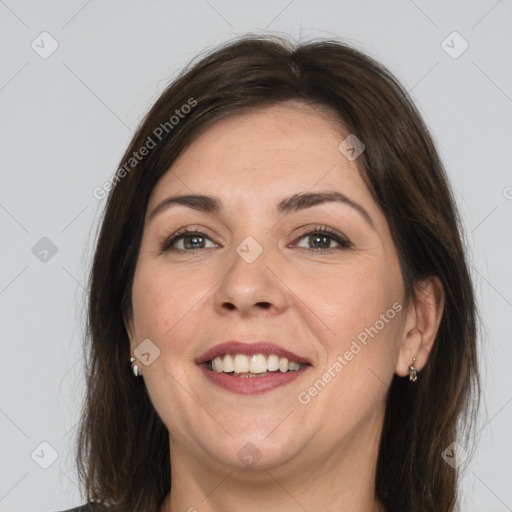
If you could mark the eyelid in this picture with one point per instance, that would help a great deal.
(343, 243)
(168, 239)
(342, 240)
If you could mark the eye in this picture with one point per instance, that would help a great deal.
(321, 237)
(320, 240)
(186, 240)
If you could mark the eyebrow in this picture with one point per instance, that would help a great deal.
(296, 202)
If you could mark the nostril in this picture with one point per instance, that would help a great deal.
(231, 306)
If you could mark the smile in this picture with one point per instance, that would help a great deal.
(251, 368)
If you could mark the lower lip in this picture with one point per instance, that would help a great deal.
(252, 385)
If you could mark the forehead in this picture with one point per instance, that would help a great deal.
(260, 157)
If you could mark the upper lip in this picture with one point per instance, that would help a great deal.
(260, 347)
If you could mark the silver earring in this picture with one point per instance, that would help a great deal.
(413, 374)
(135, 368)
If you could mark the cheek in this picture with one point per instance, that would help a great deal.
(362, 308)
(159, 301)
(348, 300)
(166, 304)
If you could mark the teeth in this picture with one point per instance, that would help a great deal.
(228, 364)
(241, 363)
(258, 364)
(273, 363)
(254, 365)
(217, 365)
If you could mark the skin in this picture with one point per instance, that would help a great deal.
(316, 456)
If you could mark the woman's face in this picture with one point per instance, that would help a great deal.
(260, 271)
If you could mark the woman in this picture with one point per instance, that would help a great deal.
(280, 261)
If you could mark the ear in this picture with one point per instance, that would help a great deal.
(421, 324)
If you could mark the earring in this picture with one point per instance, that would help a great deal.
(135, 368)
(413, 374)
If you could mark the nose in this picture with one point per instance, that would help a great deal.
(251, 289)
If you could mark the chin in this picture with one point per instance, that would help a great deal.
(255, 448)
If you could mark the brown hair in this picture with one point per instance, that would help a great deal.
(123, 446)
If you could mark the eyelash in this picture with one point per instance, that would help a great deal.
(166, 244)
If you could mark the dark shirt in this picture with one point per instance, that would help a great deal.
(82, 508)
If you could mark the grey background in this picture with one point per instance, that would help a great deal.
(66, 119)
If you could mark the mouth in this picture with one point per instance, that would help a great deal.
(251, 368)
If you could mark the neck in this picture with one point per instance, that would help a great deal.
(336, 479)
